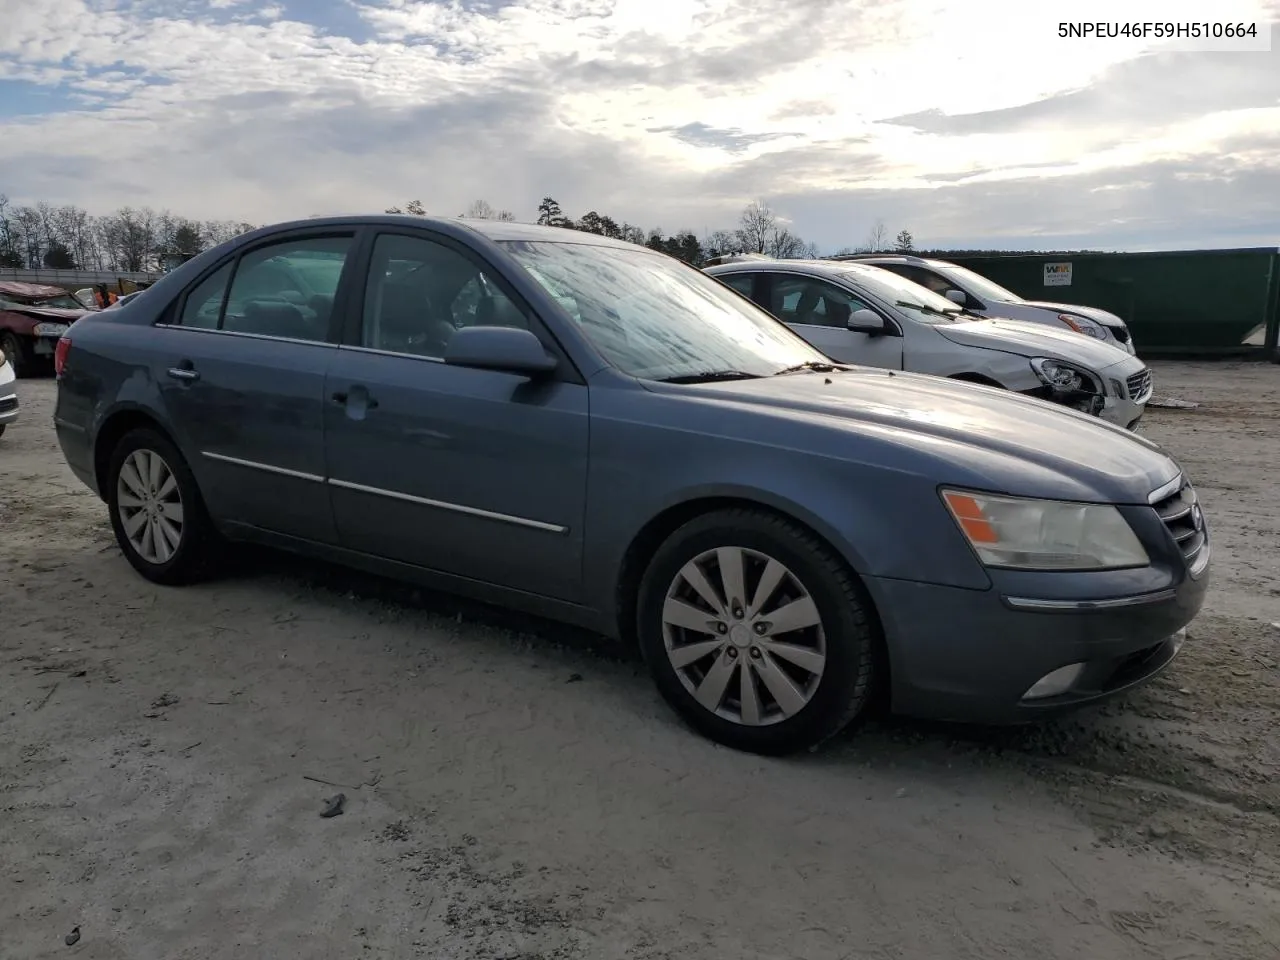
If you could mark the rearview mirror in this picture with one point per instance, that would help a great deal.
(507, 349)
(957, 296)
(866, 321)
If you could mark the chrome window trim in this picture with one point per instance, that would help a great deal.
(265, 467)
(452, 507)
(390, 353)
(1084, 606)
(248, 336)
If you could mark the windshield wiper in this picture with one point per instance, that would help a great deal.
(710, 376)
(815, 365)
(934, 311)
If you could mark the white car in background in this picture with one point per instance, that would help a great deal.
(986, 298)
(8, 393)
(859, 314)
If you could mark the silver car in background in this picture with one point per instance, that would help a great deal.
(986, 298)
(861, 314)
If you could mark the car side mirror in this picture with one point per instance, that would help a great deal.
(866, 321)
(506, 349)
(957, 296)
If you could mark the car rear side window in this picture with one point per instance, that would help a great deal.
(811, 302)
(421, 292)
(286, 289)
(926, 278)
(742, 282)
(204, 302)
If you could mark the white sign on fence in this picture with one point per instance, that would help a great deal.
(1057, 274)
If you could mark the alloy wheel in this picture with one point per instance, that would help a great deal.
(149, 502)
(744, 636)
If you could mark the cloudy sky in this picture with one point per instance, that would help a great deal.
(969, 123)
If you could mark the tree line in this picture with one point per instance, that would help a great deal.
(130, 240)
(137, 239)
(759, 230)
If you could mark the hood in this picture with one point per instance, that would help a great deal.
(1090, 313)
(987, 437)
(45, 313)
(1035, 340)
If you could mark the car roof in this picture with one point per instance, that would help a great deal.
(498, 230)
(825, 268)
(907, 258)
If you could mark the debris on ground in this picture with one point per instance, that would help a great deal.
(1172, 403)
(72, 938)
(333, 806)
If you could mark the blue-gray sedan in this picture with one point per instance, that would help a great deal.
(592, 431)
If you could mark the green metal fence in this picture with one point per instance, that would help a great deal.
(1184, 302)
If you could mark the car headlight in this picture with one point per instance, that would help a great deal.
(49, 329)
(1022, 534)
(1082, 325)
(1064, 376)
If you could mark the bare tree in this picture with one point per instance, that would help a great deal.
(878, 237)
(480, 210)
(505, 215)
(719, 243)
(756, 226)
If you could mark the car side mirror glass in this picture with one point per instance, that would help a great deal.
(506, 349)
(866, 321)
(957, 296)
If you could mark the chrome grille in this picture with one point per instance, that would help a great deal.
(1139, 385)
(1180, 513)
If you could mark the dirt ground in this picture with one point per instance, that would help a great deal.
(517, 790)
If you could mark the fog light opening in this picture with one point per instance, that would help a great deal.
(1056, 683)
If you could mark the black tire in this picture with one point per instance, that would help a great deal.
(19, 356)
(844, 687)
(199, 547)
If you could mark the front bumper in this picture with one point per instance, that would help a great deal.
(973, 656)
(8, 405)
(8, 394)
(1122, 411)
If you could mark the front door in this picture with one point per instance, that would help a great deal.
(241, 365)
(819, 311)
(476, 473)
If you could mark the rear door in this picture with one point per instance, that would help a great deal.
(241, 365)
(476, 473)
(819, 311)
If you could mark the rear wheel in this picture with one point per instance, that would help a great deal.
(157, 513)
(756, 632)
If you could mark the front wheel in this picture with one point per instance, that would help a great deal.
(157, 513)
(756, 632)
(19, 357)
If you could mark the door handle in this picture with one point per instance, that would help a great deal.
(185, 373)
(358, 395)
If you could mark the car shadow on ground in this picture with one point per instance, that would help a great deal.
(1079, 737)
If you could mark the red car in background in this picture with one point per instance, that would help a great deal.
(32, 318)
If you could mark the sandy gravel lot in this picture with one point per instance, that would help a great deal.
(517, 790)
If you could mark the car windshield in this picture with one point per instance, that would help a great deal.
(653, 317)
(925, 305)
(978, 285)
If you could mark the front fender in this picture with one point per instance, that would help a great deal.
(881, 513)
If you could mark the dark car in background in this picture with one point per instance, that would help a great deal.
(32, 318)
(593, 431)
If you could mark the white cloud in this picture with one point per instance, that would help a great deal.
(671, 112)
